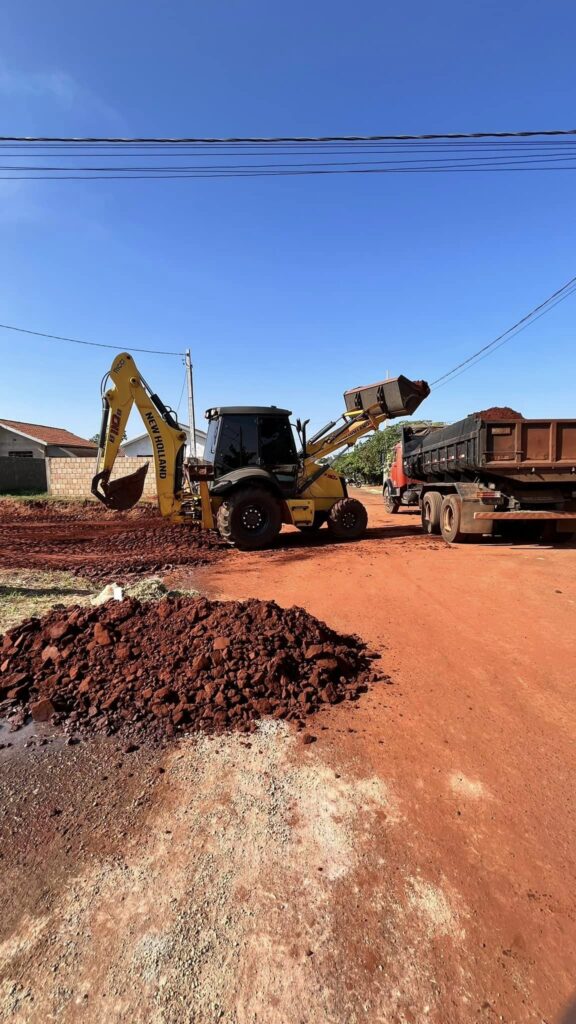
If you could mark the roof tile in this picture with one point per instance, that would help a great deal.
(49, 435)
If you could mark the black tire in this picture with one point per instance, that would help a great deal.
(431, 508)
(347, 519)
(319, 520)
(563, 538)
(391, 504)
(250, 518)
(450, 520)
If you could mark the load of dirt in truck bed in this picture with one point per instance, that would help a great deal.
(498, 412)
(162, 668)
(98, 545)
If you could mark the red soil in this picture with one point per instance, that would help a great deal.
(499, 412)
(182, 663)
(90, 542)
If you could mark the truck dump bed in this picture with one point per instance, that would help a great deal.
(526, 451)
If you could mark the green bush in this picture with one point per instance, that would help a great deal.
(366, 460)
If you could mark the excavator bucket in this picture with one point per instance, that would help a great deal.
(121, 494)
(396, 397)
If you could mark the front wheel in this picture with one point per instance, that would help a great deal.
(391, 504)
(250, 518)
(347, 519)
(451, 520)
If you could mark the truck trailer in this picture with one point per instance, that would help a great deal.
(505, 476)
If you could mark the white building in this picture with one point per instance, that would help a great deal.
(142, 445)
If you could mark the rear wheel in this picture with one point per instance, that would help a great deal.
(250, 518)
(391, 504)
(550, 535)
(451, 519)
(347, 519)
(563, 538)
(431, 509)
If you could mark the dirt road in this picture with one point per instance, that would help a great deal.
(476, 740)
(416, 863)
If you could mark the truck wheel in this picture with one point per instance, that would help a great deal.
(450, 519)
(250, 518)
(431, 508)
(563, 538)
(347, 519)
(391, 504)
(319, 520)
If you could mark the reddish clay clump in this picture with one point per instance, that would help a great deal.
(161, 668)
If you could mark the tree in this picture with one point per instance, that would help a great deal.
(96, 438)
(366, 460)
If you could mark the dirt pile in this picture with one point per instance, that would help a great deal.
(60, 508)
(498, 412)
(97, 545)
(182, 663)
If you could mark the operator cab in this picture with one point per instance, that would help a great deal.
(243, 435)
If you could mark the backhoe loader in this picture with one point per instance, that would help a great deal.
(253, 478)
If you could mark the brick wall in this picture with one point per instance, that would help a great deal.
(72, 478)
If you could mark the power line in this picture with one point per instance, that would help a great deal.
(181, 393)
(38, 158)
(440, 162)
(78, 341)
(544, 307)
(175, 176)
(292, 139)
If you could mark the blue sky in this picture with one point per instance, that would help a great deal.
(287, 290)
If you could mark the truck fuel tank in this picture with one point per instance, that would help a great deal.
(398, 396)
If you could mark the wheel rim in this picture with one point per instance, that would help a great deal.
(253, 518)
(349, 520)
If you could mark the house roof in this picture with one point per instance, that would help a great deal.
(47, 435)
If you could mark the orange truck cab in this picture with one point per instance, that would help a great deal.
(399, 489)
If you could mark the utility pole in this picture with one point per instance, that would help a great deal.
(191, 416)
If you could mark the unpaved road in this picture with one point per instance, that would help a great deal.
(416, 863)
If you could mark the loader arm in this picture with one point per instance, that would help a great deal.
(366, 409)
(168, 442)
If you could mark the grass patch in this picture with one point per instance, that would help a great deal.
(25, 495)
(26, 592)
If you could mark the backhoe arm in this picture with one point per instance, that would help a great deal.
(168, 442)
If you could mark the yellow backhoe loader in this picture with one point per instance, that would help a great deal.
(252, 478)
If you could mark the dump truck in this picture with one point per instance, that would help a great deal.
(256, 473)
(509, 476)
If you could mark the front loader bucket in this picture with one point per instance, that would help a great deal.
(396, 397)
(121, 494)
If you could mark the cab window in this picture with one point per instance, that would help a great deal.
(277, 446)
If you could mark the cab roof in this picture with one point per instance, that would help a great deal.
(245, 410)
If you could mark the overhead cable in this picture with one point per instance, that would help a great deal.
(544, 307)
(287, 138)
(79, 341)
